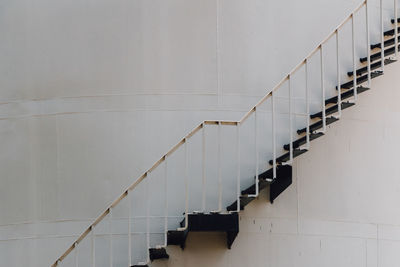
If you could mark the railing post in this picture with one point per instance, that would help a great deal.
(273, 136)
(256, 155)
(76, 254)
(323, 90)
(339, 102)
(147, 218)
(129, 227)
(353, 38)
(396, 41)
(186, 189)
(290, 121)
(368, 43)
(219, 169)
(165, 202)
(203, 164)
(382, 38)
(110, 236)
(307, 105)
(93, 246)
(238, 166)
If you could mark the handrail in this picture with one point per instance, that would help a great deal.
(364, 2)
(194, 131)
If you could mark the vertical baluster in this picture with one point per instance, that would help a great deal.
(368, 43)
(273, 136)
(323, 89)
(339, 102)
(165, 202)
(238, 167)
(186, 189)
(203, 202)
(186, 184)
(93, 246)
(76, 254)
(396, 41)
(256, 148)
(290, 121)
(256, 154)
(382, 38)
(110, 235)
(128, 195)
(219, 169)
(353, 38)
(307, 105)
(147, 217)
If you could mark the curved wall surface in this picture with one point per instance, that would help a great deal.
(341, 209)
(93, 92)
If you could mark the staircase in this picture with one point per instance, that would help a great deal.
(173, 197)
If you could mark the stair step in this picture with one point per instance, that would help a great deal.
(244, 201)
(286, 157)
(345, 95)
(374, 66)
(262, 183)
(204, 222)
(398, 20)
(283, 181)
(390, 32)
(332, 110)
(175, 237)
(317, 125)
(282, 176)
(303, 140)
(361, 79)
(376, 56)
(140, 265)
(386, 43)
(158, 253)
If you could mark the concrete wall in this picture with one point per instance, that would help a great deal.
(341, 209)
(87, 86)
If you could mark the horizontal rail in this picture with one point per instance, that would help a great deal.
(298, 66)
(193, 132)
(134, 184)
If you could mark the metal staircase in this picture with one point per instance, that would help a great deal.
(210, 175)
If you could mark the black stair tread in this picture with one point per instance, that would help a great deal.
(283, 173)
(140, 265)
(279, 185)
(265, 176)
(376, 56)
(386, 43)
(252, 189)
(346, 94)
(361, 79)
(215, 222)
(175, 237)
(206, 222)
(398, 20)
(303, 140)
(374, 66)
(244, 201)
(390, 32)
(286, 157)
(317, 125)
(332, 110)
(158, 253)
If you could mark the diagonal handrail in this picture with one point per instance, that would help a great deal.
(195, 130)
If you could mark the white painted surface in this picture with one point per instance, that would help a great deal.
(341, 209)
(88, 86)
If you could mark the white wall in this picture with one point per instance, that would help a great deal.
(88, 86)
(341, 209)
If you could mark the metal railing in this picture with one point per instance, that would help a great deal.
(254, 111)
